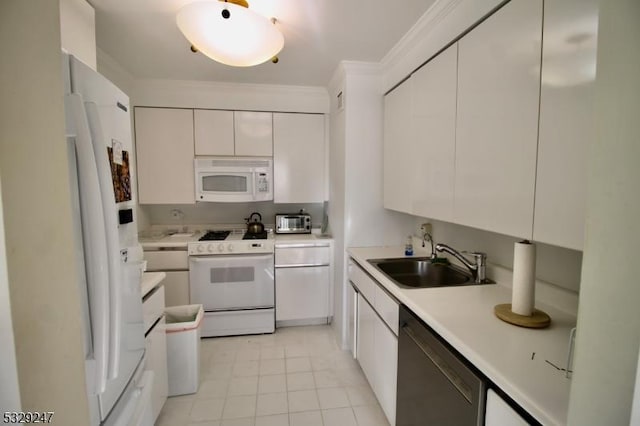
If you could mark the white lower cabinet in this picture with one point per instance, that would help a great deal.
(156, 347)
(499, 412)
(377, 343)
(302, 294)
(385, 362)
(303, 283)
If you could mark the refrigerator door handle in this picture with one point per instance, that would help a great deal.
(94, 240)
(111, 231)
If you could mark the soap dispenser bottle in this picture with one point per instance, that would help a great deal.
(408, 247)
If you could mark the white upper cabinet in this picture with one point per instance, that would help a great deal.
(253, 133)
(398, 156)
(299, 166)
(213, 131)
(233, 133)
(497, 121)
(433, 121)
(164, 152)
(566, 120)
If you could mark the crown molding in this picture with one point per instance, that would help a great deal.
(421, 29)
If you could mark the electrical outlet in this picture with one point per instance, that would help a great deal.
(426, 228)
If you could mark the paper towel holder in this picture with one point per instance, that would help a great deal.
(538, 319)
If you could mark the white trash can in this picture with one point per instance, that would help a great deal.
(183, 348)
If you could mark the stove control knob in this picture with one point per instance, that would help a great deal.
(220, 248)
(210, 248)
(200, 249)
(230, 247)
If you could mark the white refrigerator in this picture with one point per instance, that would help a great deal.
(110, 261)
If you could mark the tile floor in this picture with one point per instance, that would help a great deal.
(295, 377)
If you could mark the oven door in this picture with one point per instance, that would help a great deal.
(229, 282)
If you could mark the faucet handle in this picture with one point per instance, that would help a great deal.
(480, 257)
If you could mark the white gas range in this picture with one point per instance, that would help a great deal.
(231, 241)
(231, 273)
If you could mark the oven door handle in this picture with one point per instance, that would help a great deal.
(227, 257)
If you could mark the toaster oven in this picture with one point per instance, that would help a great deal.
(296, 223)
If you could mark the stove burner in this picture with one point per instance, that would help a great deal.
(255, 236)
(215, 235)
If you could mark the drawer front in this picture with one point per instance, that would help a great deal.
(170, 260)
(153, 307)
(387, 308)
(302, 256)
(363, 283)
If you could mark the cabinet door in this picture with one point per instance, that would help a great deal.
(164, 147)
(499, 413)
(497, 121)
(253, 133)
(299, 166)
(156, 348)
(399, 160)
(365, 339)
(213, 132)
(176, 288)
(385, 365)
(566, 121)
(433, 124)
(302, 293)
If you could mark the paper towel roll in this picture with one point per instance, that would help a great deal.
(524, 278)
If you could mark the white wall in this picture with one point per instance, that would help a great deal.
(214, 95)
(78, 30)
(10, 389)
(356, 214)
(43, 287)
(555, 265)
(608, 336)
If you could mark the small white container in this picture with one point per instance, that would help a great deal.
(183, 348)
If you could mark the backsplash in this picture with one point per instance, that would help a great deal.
(556, 265)
(225, 213)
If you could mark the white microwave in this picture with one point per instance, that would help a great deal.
(234, 179)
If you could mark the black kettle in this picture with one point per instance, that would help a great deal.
(256, 226)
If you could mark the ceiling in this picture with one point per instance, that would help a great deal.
(142, 36)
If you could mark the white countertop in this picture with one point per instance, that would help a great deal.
(178, 241)
(150, 280)
(503, 352)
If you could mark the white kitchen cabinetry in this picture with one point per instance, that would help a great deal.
(299, 166)
(302, 283)
(399, 160)
(253, 133)
(566, 121)
(377, 339)
(433, 124)
(213, 132)
(499, 412)
(497, 120)
(233, 133)
(176, 265)
(164, 153)
(156, 346)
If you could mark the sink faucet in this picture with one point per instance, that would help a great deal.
(427, 236)
(478, 269)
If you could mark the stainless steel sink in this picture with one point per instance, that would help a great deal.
(421, 272)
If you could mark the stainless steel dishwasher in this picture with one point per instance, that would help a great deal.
(435, 387)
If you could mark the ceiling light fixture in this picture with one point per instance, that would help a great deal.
(228, 32)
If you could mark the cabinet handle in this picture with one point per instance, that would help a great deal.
(301, 245)
(302, 265)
